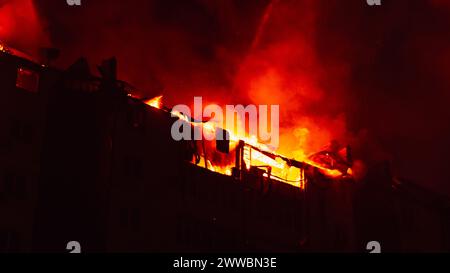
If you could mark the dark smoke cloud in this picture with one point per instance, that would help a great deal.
(399, 56)
(377, 77)
(21, 26)
(189, 47)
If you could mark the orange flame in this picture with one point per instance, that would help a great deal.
(156, 102)
(281, 171)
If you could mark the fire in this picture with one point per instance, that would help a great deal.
(155, 102)
(251, 156)
(279, 168)
(223, 170)
(329, 172)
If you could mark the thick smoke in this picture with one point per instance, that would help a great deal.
(179, 48)
(21, 26)
(398, 89)
(284, 67)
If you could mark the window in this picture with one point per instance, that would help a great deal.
(27, 80)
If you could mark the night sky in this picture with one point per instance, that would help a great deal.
(375, 77)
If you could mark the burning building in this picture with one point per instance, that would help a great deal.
(84, 159)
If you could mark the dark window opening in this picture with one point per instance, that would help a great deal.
(27, 80)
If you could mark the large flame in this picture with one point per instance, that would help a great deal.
(155, 102)
(21, 26)
(280, 170)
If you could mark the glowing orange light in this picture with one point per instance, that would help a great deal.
(280, 171)
(329, 172)
(156, 102)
